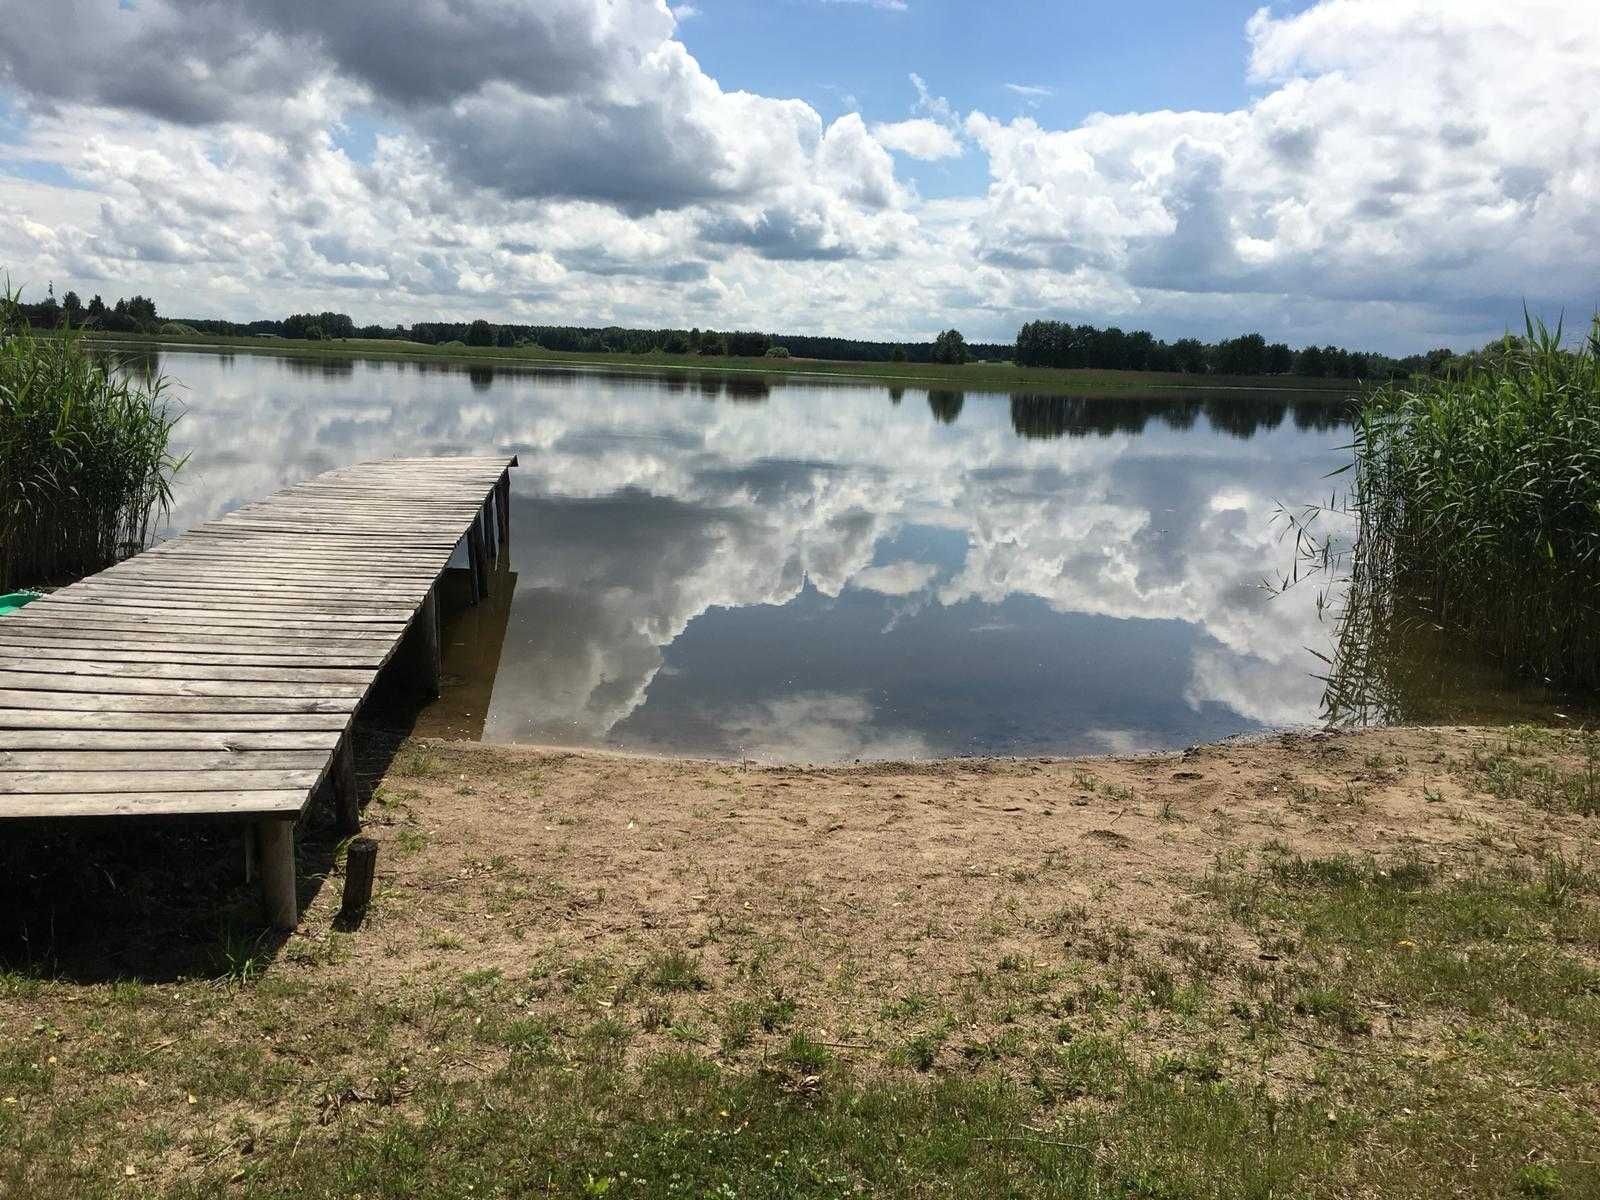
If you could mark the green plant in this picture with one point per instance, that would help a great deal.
(1476, 501)
(84, 460)
(676, 971)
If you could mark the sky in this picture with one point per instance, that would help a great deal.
(1382, 174)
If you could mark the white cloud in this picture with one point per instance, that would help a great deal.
(936, 107)
(685, 12)
(1405, 153)
(920, 138)
(895, 579)
(1033, 91)
(1408, 174)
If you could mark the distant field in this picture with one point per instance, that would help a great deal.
(1000, 377)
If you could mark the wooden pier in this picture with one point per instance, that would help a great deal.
(218, 674)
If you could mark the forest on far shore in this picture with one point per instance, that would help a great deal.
(1041, 343)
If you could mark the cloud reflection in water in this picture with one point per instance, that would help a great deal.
(808, 571)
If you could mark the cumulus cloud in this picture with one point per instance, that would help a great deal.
(920, 138)
(571, 99)
(896, 579)
(1408, 172)
(1403, 152)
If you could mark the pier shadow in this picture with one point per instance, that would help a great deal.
(168, 898)
(154, 900)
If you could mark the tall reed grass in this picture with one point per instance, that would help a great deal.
(85, 467)
(1477, 502)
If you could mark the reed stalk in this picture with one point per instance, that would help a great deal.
(1476, 497)
(85, 469)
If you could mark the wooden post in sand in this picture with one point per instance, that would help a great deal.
(360, 866)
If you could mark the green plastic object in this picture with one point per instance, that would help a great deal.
(12, 601)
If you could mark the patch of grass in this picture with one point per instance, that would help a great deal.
(805, 1056)
(738, 1027)
(776, 1011)
(1334, 1007)
(418, 760)
(529, 1039)
(1543, 785)
(675, 971)
(920, 1052)
(1479, 944)
(408, 839)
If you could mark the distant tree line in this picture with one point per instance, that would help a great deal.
(1059, 344)
(138, 315)
(1038, 344)
(135, 314)
(712, 343)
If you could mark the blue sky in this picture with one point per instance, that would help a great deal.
(1088, 58)
(1388, 174)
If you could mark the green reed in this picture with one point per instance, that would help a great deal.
(84, 462)
(1476, 497)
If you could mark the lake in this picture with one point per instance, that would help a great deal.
(796, 570)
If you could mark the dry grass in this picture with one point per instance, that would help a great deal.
(1330, 965)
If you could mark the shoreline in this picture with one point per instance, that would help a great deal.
(1246, 739)
(975, 378)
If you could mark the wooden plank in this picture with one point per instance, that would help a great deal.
(296, 549)
(176, 706)
(225, 637)
(14, 783)
(104, 669)
(235, 603)
(122, 625)
(109, 685)
(330, 591)
(147, 742)
(157, 643)
(149, 804)
(145, 600)
(23, 651)
(267, 572)
(211, 618)
(278, 581)
(145, 761)
(362, 548)
(166, 720)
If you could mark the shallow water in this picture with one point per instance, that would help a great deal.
(810, 570)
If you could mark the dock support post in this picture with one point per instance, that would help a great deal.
(430, 665)
(502, 503)
(346, 793)
(276, 837)
(477, 560)
(491, 542)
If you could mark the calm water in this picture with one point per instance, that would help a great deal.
(816, 571)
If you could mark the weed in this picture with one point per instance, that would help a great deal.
(675, 971)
